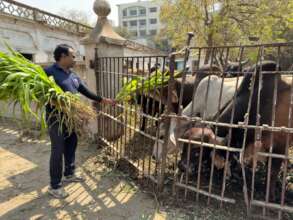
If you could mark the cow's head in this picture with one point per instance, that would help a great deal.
(204, 134)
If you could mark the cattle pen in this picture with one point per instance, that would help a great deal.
(235, 131)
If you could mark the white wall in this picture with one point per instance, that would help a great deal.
(34, 38)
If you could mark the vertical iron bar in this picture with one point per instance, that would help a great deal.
(231, 122)
(288, 142)
(161, 176)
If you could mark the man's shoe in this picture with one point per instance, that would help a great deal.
(59, 193)
(73, 179)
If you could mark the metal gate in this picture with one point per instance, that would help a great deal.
(235, 132)
(129, 128)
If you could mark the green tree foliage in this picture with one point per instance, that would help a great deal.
(226, 21)
(76, 15)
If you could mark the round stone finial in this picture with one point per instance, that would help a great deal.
(102, 8)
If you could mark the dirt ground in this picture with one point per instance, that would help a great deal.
(106, 194)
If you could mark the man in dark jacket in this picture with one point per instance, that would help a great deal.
(63, 144)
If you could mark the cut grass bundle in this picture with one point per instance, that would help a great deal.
(142, 85)
(25, 83)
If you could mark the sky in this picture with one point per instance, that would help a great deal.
(54, 6)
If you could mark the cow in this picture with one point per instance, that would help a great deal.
(265, 109)
(150, 103)
(199, 106)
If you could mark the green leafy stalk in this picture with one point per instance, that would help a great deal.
(138, 83)
(25, 83)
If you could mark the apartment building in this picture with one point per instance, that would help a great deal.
(141, 19)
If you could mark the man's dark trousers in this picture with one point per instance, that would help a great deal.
(62, 144)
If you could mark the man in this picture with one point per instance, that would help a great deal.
(63, 144)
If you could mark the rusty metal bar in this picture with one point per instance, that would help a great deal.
(249, 46)
(283, 72)
(132, 162)
(125, 111)
(239, 125)
(161, 175)
(204, 116)
(130, 127)
(115, 112)
(205, 193)
(231, 122)
(272, 206)
(104, 95)
(272, 134)
(201, 142)
(287, 148)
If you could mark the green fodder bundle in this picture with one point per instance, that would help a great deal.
(25, 83)
(144, 84)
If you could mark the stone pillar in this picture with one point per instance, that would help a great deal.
(108, 44)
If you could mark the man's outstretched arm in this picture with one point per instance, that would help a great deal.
(84, 90)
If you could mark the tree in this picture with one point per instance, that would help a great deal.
(76, 15)
(226, 21)
(161, 42)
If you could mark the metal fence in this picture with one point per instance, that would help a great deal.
(129, 128)
(226, 126)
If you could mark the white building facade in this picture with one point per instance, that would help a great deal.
(141, 19)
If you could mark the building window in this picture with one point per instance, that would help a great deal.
(124, 12)
(133, 12)
(152, 10)
(124, 23)
(153, 32)
(142, 11)
(142, 33)
(133, 23)
(28, 56)
(153, 21)
(134, 33)
(142, 22)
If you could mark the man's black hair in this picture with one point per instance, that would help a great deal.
(61, 49)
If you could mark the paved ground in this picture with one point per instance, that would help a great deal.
(106, 194)
(24, 184)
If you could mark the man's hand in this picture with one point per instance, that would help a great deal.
(108, 101)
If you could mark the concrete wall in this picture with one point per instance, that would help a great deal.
(31, 37)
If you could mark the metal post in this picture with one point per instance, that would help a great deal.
(161, 176)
